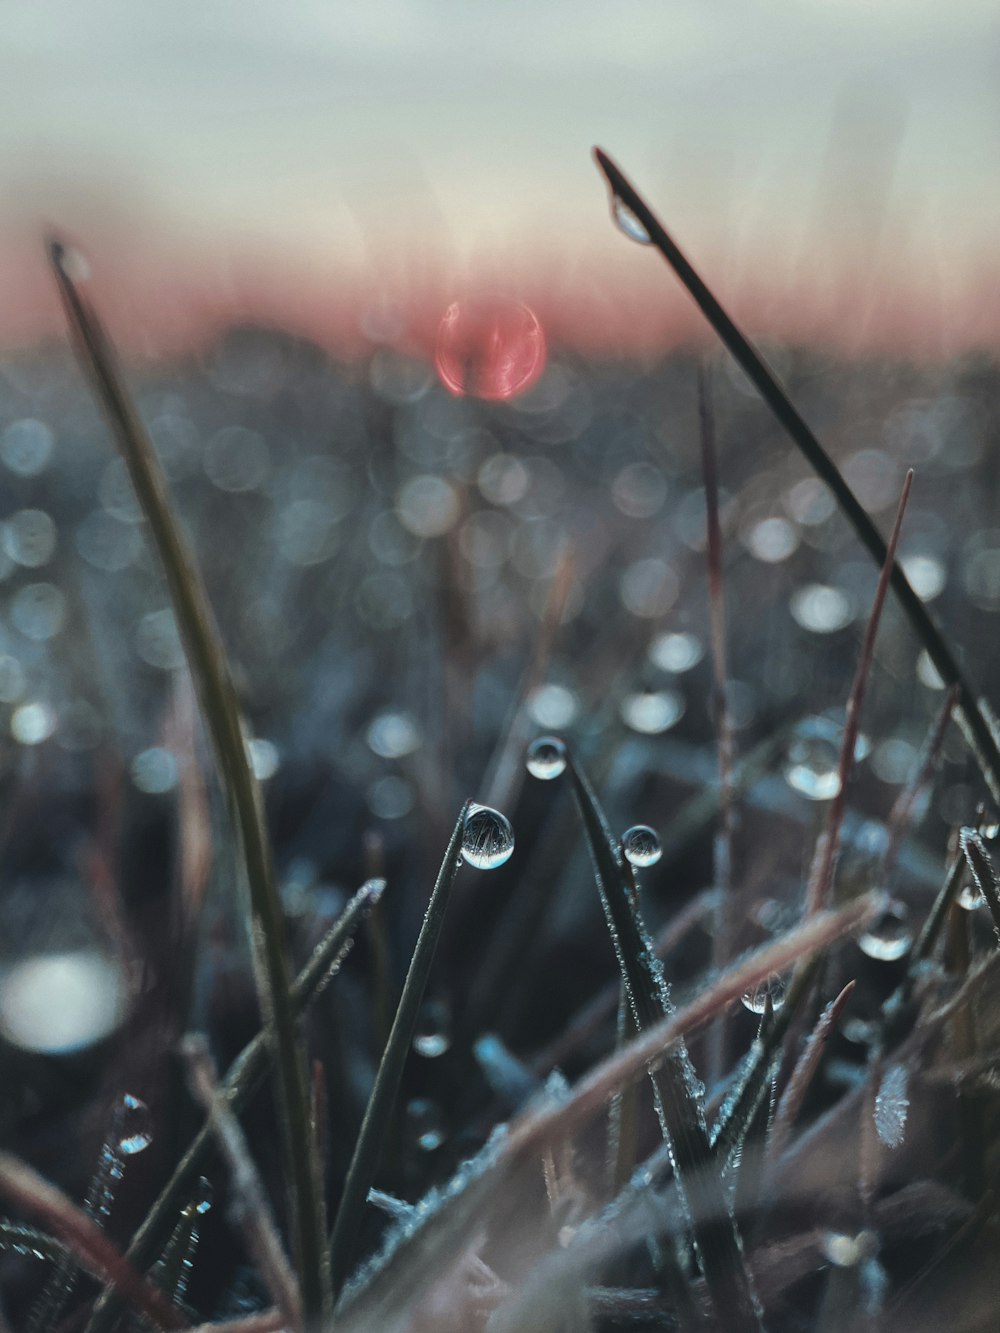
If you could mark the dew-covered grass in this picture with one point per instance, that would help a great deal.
(689, 1020)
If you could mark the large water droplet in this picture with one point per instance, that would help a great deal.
(627, 222)
(432, 1036)
(136, 1126)
(487, 839)
(546, 758)
(771, 988)
(888, 937)
(812, 764)
(424, 1124)
(641, 845)
(491, 348)
(846, 1251)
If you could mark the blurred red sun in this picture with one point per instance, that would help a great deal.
(489, 347)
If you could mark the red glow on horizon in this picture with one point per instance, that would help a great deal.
(489, 347)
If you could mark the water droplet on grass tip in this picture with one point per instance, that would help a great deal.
(970, 896)
(846, 1251)
(136, 1126)
(627, 222)
(641, 846)
(888, 937)
(546, 758)
(487, 838)
(771, 988)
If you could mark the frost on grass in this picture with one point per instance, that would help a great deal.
(892, 1103)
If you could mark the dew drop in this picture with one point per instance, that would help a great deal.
(641, 845)
(845, 1251)
(487, 838)
(892, 1103)
(771, 988)
(432, 1037)
(888, 937)
(136, 1126)
(546, 758)
(424, 1124)
(627, 222)
(970, 896)
(812, 764)
(59, 1002)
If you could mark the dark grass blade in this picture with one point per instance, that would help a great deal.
(364, 1160)
(225, 725)
(971, 1126)
(736, 1114)
(983, 872)
(824, 865)
(975, 724)
(30, 1243)
(249, 1206)
(81, 1235)
(804, 1072)
(713, 1228)
(243, 1079)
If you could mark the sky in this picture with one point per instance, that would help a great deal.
(833, 165)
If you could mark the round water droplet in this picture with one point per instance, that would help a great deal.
(432, 1037)
(813, 759)
(641, 845)
(491, 348)
(424, 1124)
(888, 937)
(970, 896)
(770, 988)
(546, 758)
(627, 222)
(652, 711)
(136, 1126)
(487, 839)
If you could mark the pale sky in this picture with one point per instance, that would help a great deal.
(324, 129)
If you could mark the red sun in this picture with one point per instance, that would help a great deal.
(489, 347)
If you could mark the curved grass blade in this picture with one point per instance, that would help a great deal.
(368, 1146)
(824, 864)
(983, 872)
(977, 729)
(224, 722)
(243, 1079)
(82, 1236)
(712, 1225)
(30, 1243)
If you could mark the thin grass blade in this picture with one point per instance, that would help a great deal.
(245, 1076)
(983, 872)
(975, 724)
(364, 1159)
(674, 1082)
(222, 715)
(824, 864)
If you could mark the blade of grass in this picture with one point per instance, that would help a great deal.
(86, 1241)
(824, 863)
(222, 716)
(722, 846)
(902, 813)
(983, 872)
(250, 1205)
(804, 1072)
(977, 729)
(378, 1112)
(391, 1288)
(243, 1079)
(29, 1242)
(713, 1228)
